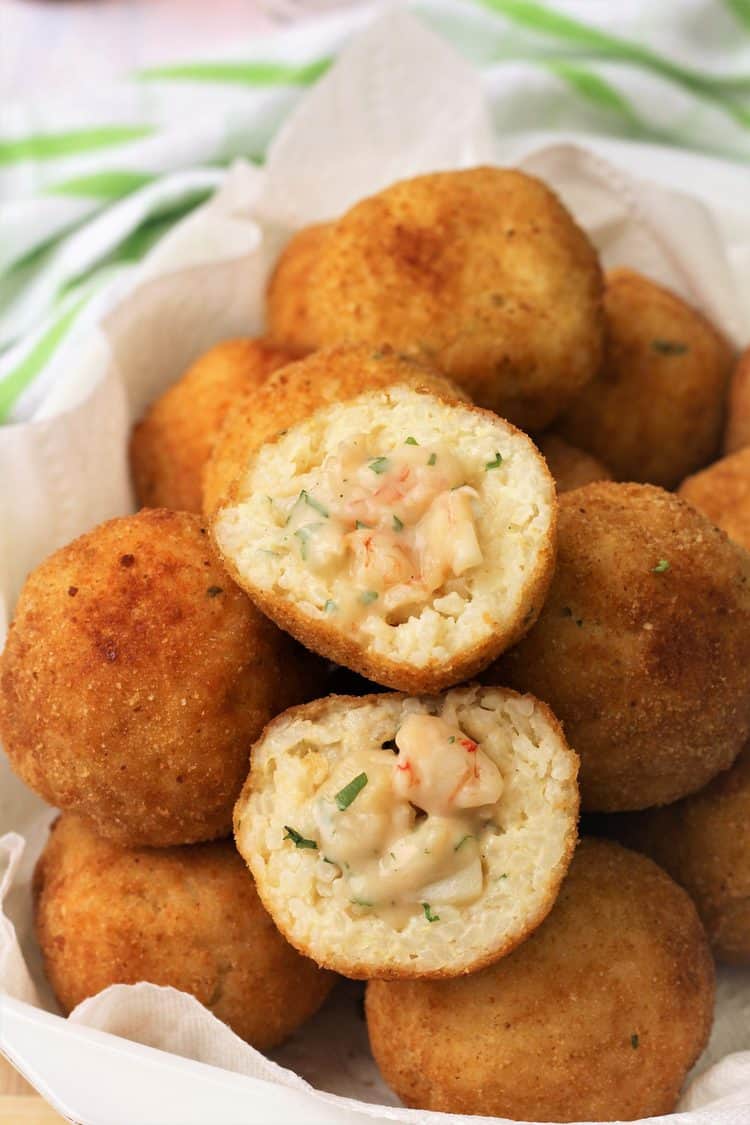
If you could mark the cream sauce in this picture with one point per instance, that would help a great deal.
(409, 840)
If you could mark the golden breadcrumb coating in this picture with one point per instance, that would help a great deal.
(297, 391)
(737, 433)
(598, 1016)
(189, 918)
(722, 492)
(171, 444)
(656, 409)
(483, 272)
(136, 676)
(571, 467)
(643, 645)
(704, 843)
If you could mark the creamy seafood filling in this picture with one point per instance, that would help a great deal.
(400, 833)
(396, 527)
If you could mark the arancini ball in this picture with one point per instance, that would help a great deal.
(642, 649)
(289, 285)
(169, 447)
(722, 492)
(187, 917)
(656, 409)
(571, 467)
(737, 433)
(135, 678)
(406, 536)
(704, 844)
(396, 837)
(297, 391)
(598, 1016)
(481, 272)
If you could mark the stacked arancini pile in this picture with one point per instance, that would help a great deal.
(372, 499)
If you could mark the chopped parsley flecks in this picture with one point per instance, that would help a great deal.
(361, 902)
(298, 839)
(368, 596)
(661, 567)
(452, 738)
(313, 503)
(350, 792)
(669, 347)
(303, 534)
(432, 459)
(635, 1040)
(494, 464)
(398, 525)
(330, 606)
(457, 847)
(380, 465)
(331, 861)
(411, 441)
(429, 914)
(360, 526)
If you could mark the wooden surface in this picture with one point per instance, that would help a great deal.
(19, 1102)
(25, 1110)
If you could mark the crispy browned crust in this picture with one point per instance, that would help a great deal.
(654, 412)
(704, 844)
(171, 444)
(358, 970)
(287, 311)
(737, 433)
(599, 1016)
(722, 492)
(294, 393)
(571, 467)
(647, 671)
(483, 272)
(135, 677)
(342, 648)
(185, 917)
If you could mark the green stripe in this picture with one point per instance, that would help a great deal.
(241, 73)
(103, 185)
(16, 380)
(595, 89)
(140, 240)
(740, 9)
(537, 18)
(49, 146)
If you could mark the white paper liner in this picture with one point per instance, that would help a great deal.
(397, 102)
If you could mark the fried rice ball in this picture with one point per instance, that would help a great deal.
(704, 843)
(598, 1016)
(187, 917)
(404, 535)
(169, 447)
(656, 409)
(135, 678)
(643, 646)
(297, 391)
(737, 433)
(483, 272)
(722, 492)
(571, 467)
(398, 837)
(289, 285)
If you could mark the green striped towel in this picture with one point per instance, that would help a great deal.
(88, 190)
